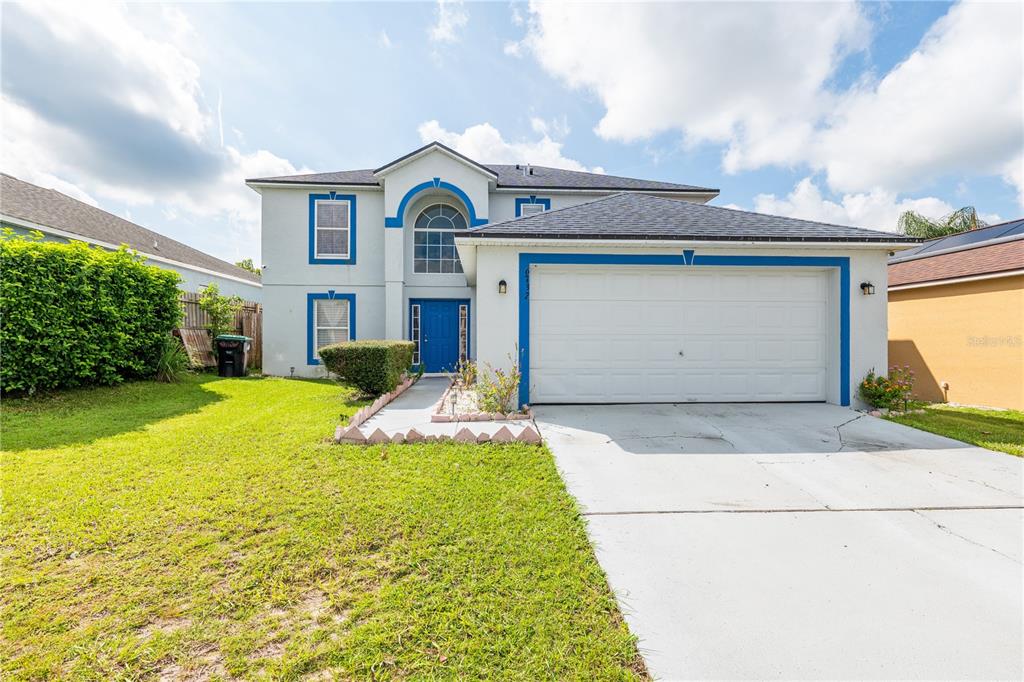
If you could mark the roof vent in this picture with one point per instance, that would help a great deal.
(526, 168)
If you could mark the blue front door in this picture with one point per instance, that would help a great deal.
(442, 327)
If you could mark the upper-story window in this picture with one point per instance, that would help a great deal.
(332, 229)
(434, 235)
(532, 205)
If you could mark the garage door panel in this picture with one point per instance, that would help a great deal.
(614, 334)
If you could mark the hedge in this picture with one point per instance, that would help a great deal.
(74, 315)
(374, 367)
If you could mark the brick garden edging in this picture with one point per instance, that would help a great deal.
(367, 411)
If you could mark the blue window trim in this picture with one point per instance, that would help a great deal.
(333, 196)
(687, 258)
(398, 220)
(330, 294)
(469, 320)
(532, 199)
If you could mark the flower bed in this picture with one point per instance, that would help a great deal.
(462, 404)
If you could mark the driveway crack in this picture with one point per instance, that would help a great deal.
(839, 431)
(946, 529)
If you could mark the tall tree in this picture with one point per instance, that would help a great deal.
(914, 224)
(247, 264)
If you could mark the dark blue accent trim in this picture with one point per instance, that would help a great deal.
(687, 258)
(351, 199)
(398, 220)
(311, 358)
(469, 321)
(532, 199)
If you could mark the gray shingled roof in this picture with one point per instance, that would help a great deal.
(641, 216)
(510, 176)
(50, 208)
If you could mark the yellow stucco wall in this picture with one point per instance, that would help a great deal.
(968, 334)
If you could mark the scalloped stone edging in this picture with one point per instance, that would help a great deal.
(355, 436)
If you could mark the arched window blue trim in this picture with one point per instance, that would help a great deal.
(437, 183)
(532, 199)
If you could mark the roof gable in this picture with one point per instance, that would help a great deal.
(644, 217)
(433, 147)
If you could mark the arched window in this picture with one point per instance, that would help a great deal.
(434, 239)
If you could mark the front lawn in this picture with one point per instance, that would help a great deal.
(997, 430)
(208, 530)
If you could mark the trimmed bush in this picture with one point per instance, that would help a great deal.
(74, 315)
(373, 367)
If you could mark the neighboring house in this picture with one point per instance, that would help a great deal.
(608, 289)
(956, 316)
(26, 207)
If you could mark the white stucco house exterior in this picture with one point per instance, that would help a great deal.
(607, 289)
(25, 207)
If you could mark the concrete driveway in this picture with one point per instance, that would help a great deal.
(799, 540)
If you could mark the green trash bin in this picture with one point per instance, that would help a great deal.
(232, 354)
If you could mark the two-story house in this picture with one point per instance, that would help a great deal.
(605, 288)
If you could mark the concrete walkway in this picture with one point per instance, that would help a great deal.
(799, 541)
(413, 409)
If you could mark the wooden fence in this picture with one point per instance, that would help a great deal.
(248, 322)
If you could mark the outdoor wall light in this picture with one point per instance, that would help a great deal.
(867, 288)
(502, 287)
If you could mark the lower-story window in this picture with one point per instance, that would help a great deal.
(330, 320)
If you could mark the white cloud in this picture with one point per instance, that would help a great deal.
(757, 78)
(727, 72)
(451, 19)
(877, 209)
(513, 49)
(953, 106)
(483, 142)
(129, 124)
(384, 40)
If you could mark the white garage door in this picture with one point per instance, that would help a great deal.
(615, 334)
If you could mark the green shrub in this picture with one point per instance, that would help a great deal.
(173, 364)
(889, 392)
(373, 367)
(220, 310)
(74, 315)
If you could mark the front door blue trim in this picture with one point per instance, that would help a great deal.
(439, 332)
(687, 258)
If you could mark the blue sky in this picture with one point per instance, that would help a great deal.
(845, 113)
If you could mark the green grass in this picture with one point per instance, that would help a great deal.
(996, 430)
(208, 529)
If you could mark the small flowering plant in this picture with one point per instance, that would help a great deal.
(890, 392)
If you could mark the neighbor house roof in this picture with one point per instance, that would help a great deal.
(49, 208)
(641, 216)
(986, 251)
(509, 176)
